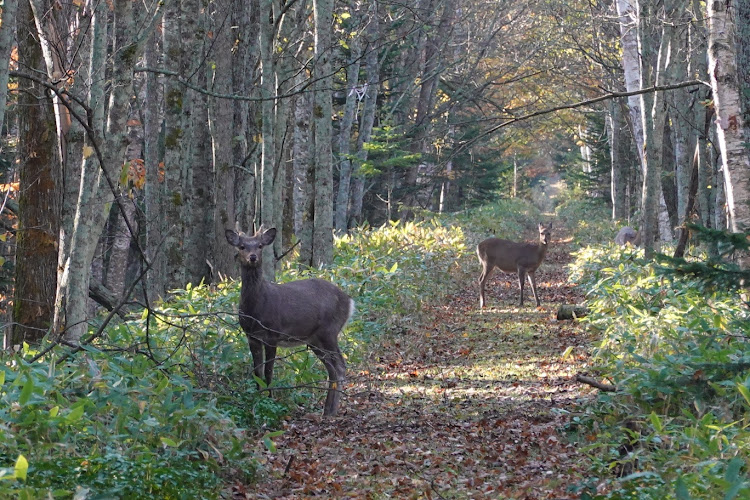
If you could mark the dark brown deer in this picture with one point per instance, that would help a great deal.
(310, 312)
(513, 257)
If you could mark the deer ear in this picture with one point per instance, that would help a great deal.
(232, 237)
(268, 236)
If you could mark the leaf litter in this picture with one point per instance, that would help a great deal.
(468, 403)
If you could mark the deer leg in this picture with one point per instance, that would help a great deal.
(486, 270)
(330, 355)
(532, 281)
(270, 358)
(521, 282)
(256, 349)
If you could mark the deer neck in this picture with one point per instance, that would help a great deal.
(253, 283)
(542, 249)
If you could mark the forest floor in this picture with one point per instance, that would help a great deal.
(469, 403)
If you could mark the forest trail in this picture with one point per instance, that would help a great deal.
(467, 404)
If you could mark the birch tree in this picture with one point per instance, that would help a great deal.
(722, 69)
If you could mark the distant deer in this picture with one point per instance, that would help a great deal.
(311, 312)
(628, 235)
(513, 257)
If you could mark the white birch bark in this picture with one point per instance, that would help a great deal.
(722, 68)
(627, 11)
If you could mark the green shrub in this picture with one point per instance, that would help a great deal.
(678, 425)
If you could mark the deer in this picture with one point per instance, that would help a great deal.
(513, 257)
(628, 236)
(308, 312)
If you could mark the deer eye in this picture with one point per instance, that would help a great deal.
(241, 247)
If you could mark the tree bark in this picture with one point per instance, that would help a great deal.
(6, 45)
(730, 126)
(39, 199)
(303, 174)
(322, 113)
(345, 131)
(221, 121)
(268, 105)
(175, 162)
(369, 110)
(155, 227)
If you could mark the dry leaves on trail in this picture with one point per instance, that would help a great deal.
(469, 404)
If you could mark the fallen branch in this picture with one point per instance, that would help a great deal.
(595, 383)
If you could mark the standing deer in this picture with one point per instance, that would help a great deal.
(513, 257)
(311, 312)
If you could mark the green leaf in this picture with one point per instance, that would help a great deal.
(21, 468)
(2, 377)
(75, 414)
(656, 422)
(28, 388)
(740, 387)
(733, 470)
(268, 442)
(162, 385)
(680, 490)
(393, 267)
(169, 442)
(566, 354)
(54, 411)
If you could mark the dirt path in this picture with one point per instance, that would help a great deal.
(467, 405)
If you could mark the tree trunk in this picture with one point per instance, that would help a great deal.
(268, 93)
(345, 131)
(39, 199)
(730, 125)
(175, 163)
(247, 150)
(369, 109)
(619, 177)
(303, 175)
(221, 121)
(322, 113)
(629, 26)
(6, 45)
(154, 197)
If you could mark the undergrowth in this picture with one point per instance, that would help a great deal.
(677, 425)
(163, 405)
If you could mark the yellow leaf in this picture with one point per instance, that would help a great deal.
(87, 151)
(22, 467)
